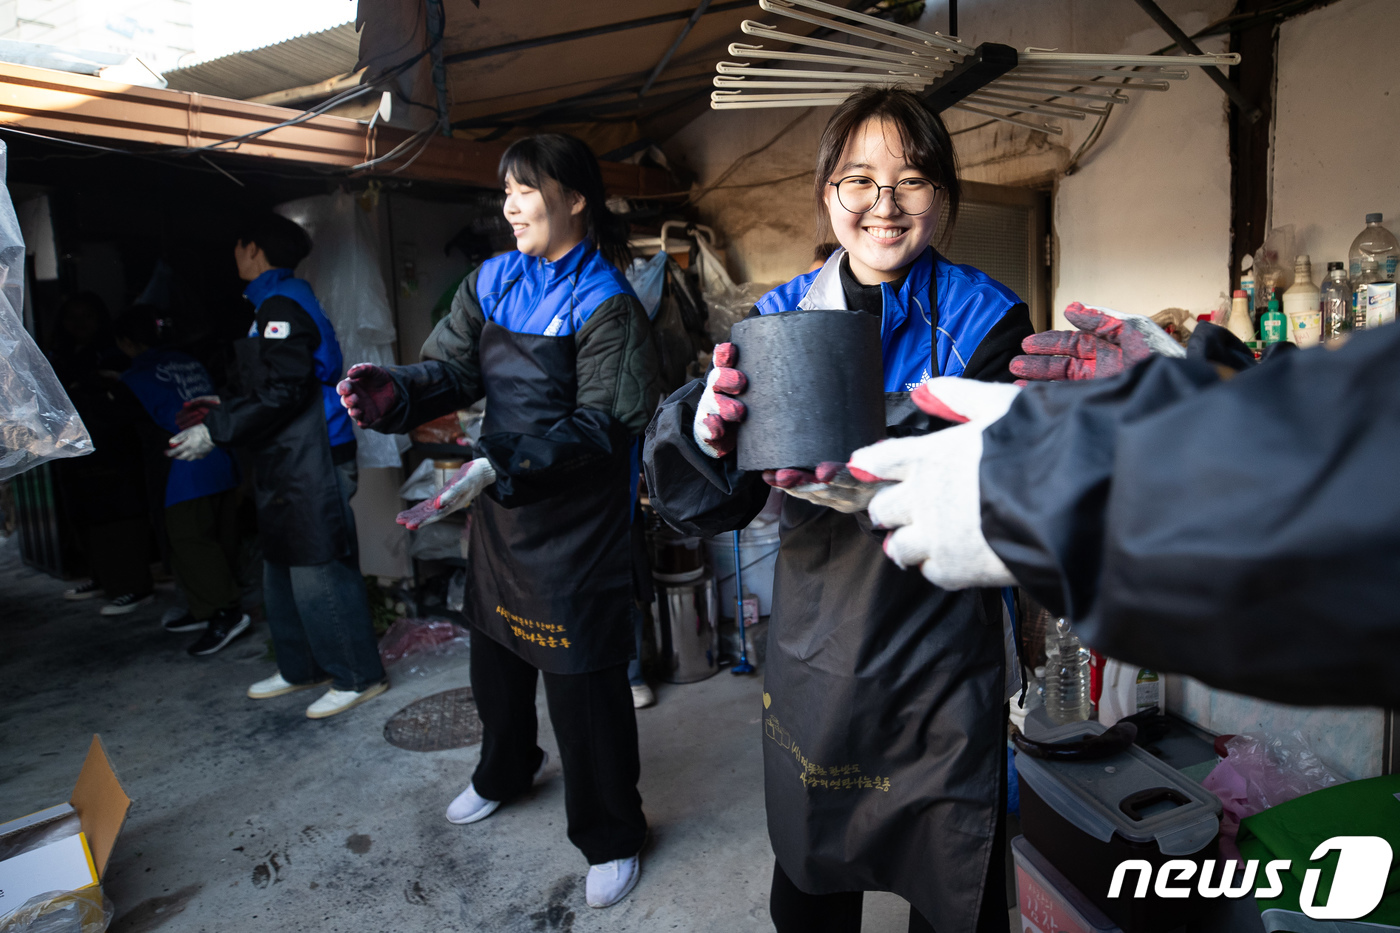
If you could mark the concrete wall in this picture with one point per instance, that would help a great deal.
(1337, 126)
(1143, 224)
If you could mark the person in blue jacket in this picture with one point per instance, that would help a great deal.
(884, 696)
(303, 449)
(201, 498)
(555, 340)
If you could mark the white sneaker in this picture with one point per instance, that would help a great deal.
(338, 701)
(276, 686)
(642, 697)
(469, 806)
(610, 882)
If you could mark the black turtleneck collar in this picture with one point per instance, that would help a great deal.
(867, 298)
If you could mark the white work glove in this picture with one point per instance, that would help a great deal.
(935, 508)
(191, 444)
(464, 486)
(718, 410)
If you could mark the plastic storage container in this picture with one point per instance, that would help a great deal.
(1086, 817)
(758, 558)
(1048, 902)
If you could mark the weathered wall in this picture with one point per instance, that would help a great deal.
(1337, 127)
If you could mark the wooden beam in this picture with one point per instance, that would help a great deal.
(38, 100)
(315, 91)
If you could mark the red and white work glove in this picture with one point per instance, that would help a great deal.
(1106, 343)
(193, 443)
(464, 486)
(367, 393)
(935, 506)
(718, 410)
(195, 411)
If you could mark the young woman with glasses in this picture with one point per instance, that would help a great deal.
(884, 722)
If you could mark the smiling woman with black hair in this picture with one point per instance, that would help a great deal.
(553, 337)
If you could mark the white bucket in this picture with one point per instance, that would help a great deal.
(758, 558)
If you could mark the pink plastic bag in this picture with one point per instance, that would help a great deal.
(410, 637)
(1263, 771)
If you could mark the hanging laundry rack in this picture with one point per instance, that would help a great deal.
(1029, 89)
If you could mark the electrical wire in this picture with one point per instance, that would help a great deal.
(739, 162)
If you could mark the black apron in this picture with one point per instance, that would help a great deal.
(884, 715)
(551, 580)
(302, 519)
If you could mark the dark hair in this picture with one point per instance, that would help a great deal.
(282, 241)
(927, 145)
(569, 161)
(143, 324)
(824, 250)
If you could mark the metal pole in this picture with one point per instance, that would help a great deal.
(1184, 41)
(666, 59)
(743, 667)
(953, 18)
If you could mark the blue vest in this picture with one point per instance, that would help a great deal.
(970, 303)
(530, 295)
(330, 365)
(163, 381)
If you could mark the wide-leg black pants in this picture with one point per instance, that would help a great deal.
(595, 727)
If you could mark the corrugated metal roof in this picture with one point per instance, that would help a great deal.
(296, 62)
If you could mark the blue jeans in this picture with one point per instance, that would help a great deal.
(319, 615)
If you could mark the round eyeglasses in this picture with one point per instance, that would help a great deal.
(859, 194)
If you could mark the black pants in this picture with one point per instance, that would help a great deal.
(596, 729)
(795, 911)
(203, 535)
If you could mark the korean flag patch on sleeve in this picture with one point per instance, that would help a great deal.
(277, 330)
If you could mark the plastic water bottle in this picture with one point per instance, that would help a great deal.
(1066, 675)
(1336, 301)
(1374, 253)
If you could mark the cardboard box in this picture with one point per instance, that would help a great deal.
(46, 856)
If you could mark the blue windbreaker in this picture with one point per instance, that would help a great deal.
(530, 295)
(163, 381)
(330, 365)
(970, 303)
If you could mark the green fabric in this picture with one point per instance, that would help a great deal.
(203, 536)
(1295, 829)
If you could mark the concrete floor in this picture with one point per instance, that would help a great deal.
(248, 816)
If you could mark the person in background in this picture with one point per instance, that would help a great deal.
(104, 493)
(884, 696)
(200, 496)
(303, 449)
(555, 340)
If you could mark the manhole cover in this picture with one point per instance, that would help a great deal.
(441, 721)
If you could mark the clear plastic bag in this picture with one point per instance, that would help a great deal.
(344, 272)
(647, 277)
(86, 911)
(1277, 769)
(37, 419)
(727, 302)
